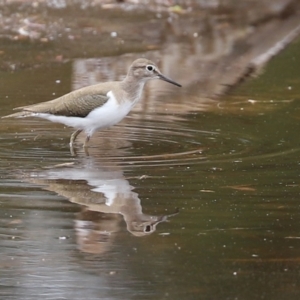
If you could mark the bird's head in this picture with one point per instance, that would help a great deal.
(143, 70)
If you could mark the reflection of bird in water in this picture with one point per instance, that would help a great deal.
(95, 230)
(105, 192)
(140, 224)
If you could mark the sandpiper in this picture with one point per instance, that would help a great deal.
(97, 106)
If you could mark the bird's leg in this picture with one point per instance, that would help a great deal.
(72, 140)
(73, 151)
(86, 141)
(85, 145)
(74, 136)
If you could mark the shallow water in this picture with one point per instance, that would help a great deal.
(185, 199)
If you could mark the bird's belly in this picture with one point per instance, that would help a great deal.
(107, 115)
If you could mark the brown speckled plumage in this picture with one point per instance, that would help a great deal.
(78, 103)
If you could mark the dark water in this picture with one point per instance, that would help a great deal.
(185, 199)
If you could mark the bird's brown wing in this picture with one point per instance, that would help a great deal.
(78, 103)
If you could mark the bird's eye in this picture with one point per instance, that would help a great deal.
(150, 68)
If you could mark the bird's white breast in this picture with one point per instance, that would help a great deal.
(111, 113)
(103, 116)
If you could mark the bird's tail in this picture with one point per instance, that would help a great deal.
(20, 114)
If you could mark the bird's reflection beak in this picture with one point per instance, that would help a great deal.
(164, 78)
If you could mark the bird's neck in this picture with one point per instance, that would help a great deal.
(133, 88)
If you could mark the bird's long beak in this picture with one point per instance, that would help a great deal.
(164, 78)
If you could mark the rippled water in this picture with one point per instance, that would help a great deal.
(168, 204)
